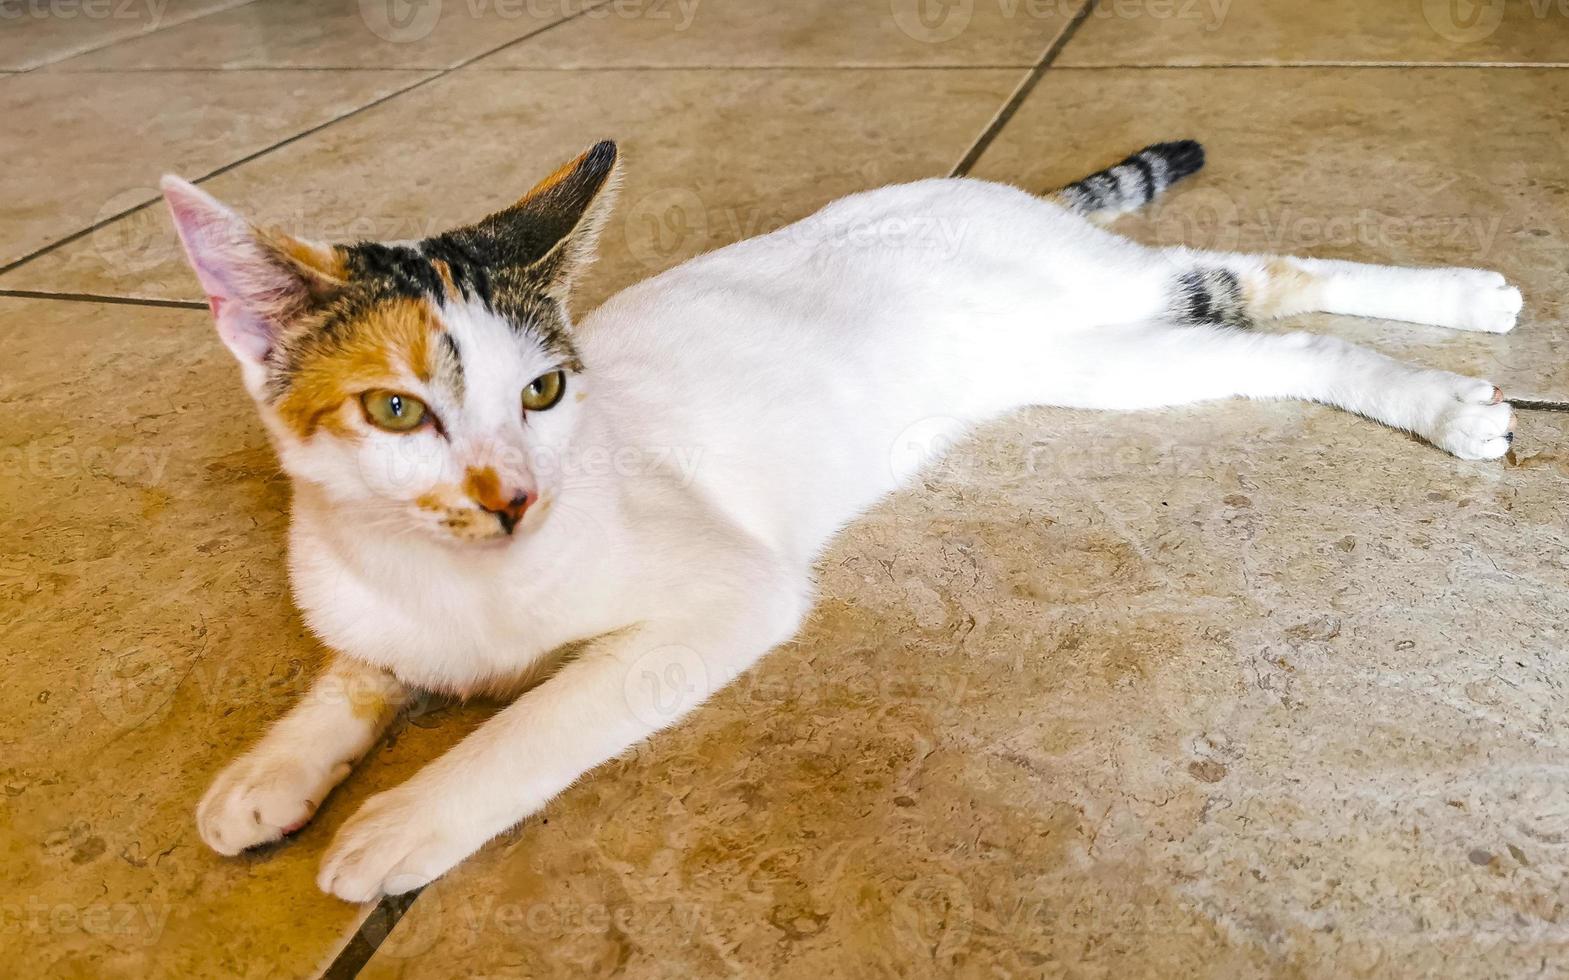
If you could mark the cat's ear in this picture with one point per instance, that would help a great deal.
(257, 282)
(551, 233)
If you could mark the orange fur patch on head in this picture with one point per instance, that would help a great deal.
(324, 260)
(484, 487)
(543, 187)
(376, 349)
(447, 283)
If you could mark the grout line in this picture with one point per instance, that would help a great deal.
(111, 42)
(361, 946)
(498, 69)
(174, 304)
(962, 168)
(841, 66)
(1151, 65)
(84, 232)
(211, 69)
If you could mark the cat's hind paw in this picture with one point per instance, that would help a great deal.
(1489, 304)
(261, 797)
(1476, 423)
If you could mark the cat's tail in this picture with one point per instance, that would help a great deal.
(1132, 183)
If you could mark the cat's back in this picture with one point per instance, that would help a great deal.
(789, 363)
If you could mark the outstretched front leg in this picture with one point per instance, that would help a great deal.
(1232, 288)
(276, 786)
(623, 688)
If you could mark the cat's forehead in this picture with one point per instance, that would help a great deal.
(431, 320)
(459, 268)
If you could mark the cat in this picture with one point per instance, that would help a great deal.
(480, 483)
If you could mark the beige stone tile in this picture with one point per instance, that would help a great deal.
(149, 635)
(1210, 32)
(337, 34)
(1448, 166)
(1237, 690)
(95, 144)
(40, 32)
(709, 158)
(762, 33)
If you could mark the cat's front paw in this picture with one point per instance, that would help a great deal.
(397, 842)
(262, 796)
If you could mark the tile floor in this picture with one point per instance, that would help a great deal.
(1237, 690)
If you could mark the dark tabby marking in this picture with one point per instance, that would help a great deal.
(449, 364)
(1135, 181)
(518, 263)
(1209, 296)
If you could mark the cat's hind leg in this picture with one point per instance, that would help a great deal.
(1220, 287)
(1155, 365)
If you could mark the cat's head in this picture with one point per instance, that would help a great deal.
(426, 385)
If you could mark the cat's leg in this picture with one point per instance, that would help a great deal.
(623, 688)
(276, 786)
(1149, 366)
(1227, 287)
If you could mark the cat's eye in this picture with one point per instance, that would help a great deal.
(544, 391)
(393, 411)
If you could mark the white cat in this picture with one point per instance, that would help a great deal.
(479, 483)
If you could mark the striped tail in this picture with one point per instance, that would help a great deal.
(1134, 182)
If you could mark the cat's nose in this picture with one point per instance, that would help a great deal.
(509, 513)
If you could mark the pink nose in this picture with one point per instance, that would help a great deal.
(509, 513)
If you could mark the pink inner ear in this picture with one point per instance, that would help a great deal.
(229, 264)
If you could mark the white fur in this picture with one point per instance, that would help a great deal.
(746, 406)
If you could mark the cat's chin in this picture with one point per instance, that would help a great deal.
(482, 545)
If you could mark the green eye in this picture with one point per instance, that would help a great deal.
(393, 411)
(544, 391)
